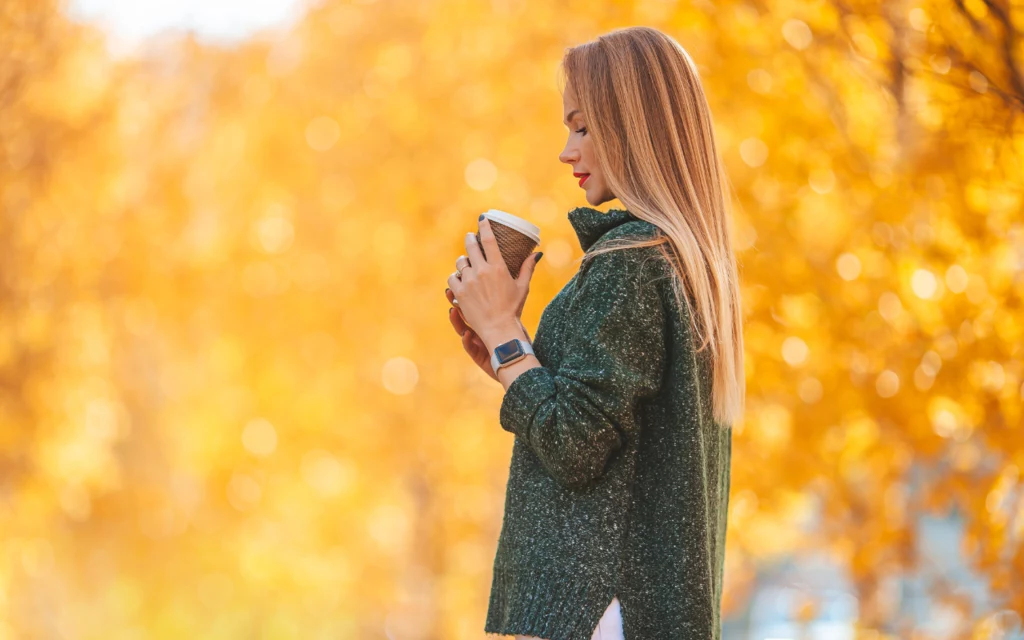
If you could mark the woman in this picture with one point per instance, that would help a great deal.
(615, 512)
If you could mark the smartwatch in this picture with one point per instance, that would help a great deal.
(508, 352)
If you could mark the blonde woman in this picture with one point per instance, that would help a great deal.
(622, 405)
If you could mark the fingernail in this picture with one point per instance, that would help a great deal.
(481, 217)
(446, 290)
(539, 256)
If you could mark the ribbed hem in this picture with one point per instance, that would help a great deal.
(522, 399)
(546, 603)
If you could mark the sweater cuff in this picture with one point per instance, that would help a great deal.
(522, 399)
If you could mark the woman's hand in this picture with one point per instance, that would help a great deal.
(471, 342)
(489, 297)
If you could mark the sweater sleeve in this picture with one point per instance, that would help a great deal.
(575, 417)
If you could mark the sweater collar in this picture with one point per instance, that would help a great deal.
(590, 224)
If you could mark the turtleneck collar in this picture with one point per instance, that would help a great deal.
(590, 224)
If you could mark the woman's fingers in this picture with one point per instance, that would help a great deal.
(457, 320)
(475, 343)
(453, 315)
(477, 350)
(471, 342)
(472, 347)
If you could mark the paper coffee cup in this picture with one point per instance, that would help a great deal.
(516, 237)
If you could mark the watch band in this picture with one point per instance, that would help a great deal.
(508, 352)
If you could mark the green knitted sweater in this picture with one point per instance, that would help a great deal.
(619, 479)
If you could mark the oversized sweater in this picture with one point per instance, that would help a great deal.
(619, 478)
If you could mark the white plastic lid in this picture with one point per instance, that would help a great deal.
(517, 223)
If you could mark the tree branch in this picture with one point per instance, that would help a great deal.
(1009, 46)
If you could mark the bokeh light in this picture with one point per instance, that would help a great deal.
(230, 405)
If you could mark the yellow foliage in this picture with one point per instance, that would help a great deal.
(230, 402)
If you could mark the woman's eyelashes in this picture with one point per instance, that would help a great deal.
(582, 131)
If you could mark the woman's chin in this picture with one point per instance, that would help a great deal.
(596, 199)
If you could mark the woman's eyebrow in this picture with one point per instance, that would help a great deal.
(569, 117)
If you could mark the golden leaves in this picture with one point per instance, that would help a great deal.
(221, 296)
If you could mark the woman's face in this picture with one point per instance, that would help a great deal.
(579, 152)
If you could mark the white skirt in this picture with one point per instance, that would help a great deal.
(609, 627)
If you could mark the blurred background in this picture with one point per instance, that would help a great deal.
(231, 401)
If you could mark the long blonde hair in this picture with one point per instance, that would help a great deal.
(652, 131)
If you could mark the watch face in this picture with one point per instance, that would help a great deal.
(509, 350)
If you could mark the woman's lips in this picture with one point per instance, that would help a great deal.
(584, 178)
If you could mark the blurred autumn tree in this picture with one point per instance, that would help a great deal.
(906, 205)
(230, 404)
